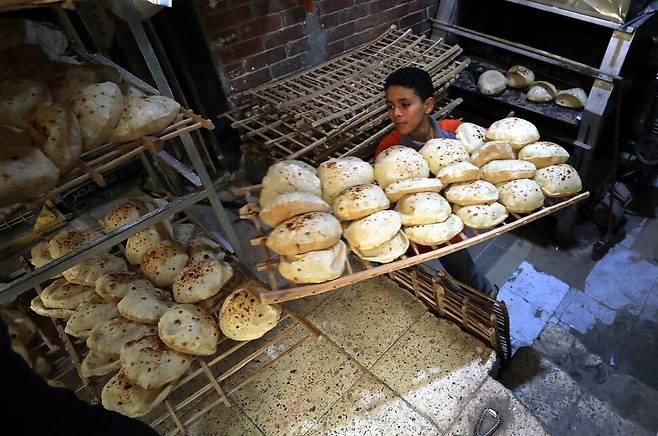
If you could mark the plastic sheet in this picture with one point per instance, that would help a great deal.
(611, 10)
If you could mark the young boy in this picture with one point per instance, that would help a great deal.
(410, 100)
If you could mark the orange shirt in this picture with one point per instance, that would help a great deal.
(393, 138)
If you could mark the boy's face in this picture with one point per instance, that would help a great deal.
(406, 109)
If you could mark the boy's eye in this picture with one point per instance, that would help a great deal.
(390, 107)
(406, 104)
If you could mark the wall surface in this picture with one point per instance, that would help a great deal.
(256, 41)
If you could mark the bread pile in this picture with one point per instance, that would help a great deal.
(53, 109)
(148, 318)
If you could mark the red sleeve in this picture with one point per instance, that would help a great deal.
(450, 125)
(388, 141)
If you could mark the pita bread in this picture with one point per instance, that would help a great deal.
(19, 97)
(115, 286)
(15, 31)
(423, 208)
(304, 233)
(123, 396)
(492, 82)
(290, 204)
(482, 216)
(360, 201)
(88, 315)
(188, 329)
(499, 171)
(493, 150)
(543, 154)
(94, 365)
(142, 116)
(64, 295)
(458, 172)
(124, 213)
(521, 196)
(183, 233)
(149, 364)
(98, 108)
(163, 262)
(70, 240)
(558, 180)
(203, 248)
(55, 130)
(336, 175)
(515, 131)
(441, 152)
(141, 242)
(399, 163)
(145, 305)
(470, 193)
(40, 254)
(388, 251)
(373, 230)
(315, 266)
(37, 307)
(472, 136)
(70, 79)
(541, 92)
(397, 190)
(20, 326)
(107, 338)
(201, 280)
(575, 98)
(90, 270)
(519, 77)
(288, 176)
(435, 234)
(243, 318)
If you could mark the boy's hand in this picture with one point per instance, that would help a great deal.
(509, 115)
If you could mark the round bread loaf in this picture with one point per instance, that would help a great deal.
(203, 248)
(515, 131)
(98, 107)
(107, 339)
(92, 312)
(521, 196)
(304, 233)
(482, 216)
(543, 154)
(441, 152)
(470, 193)
(434, 234)
(288, 176)
(162, 263)
(124, 213)
(123, 396)
(149, 364)
(26, 173)
(36, 305)
(574, 98)
(492, 82)
(472, 136)
(145, 305)
(499, 171)
(291, 204)
(18, 97)
(145, 115)
(493, 150)
(360, 201)
(243, 318)
(397, 190)
(40, 254)
(519, 77)
(315, 266)
(373, 230)
(336, 175)
(61, 294)
(188, 329)
(115, 286)
(141, 242)
(558, 180)
(541, 92)
(399, 163)
(458, 172)
(423, 208)
(55, 130)
(388, 251)
(90, 270)
(201, 280)
(69, 240)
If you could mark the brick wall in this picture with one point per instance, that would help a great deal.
(256, 41)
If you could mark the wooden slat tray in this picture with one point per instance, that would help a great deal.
(294, 291)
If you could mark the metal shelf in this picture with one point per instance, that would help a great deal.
(567, 13)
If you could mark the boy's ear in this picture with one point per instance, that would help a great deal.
(429, 105)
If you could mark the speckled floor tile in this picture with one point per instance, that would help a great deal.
(307, 305)
(224, 421)
(371, 408)
(366, 318)
(292, 395)
(516, 419)
(436, 367)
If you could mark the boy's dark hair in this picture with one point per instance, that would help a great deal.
(412, 78)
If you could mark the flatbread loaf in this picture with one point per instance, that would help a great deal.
(423, 208)
(470, 193)
(107, 338)
(441, 152)
(397, 190)
(98, 107)
(61, 294)
(290, 204)
(37, 307)
(142, 116)
(458, 172)
(149, 364)
(288, 176)
(55, 130)
(315, 266)
(399, 163)
(336, 175)
(40, 254)
(559, 180)
(70, 240)
(115, 286)
(515, 131)
(521, 196)
(123, 396)
(493, 150)
(200, 280)
(243, 318)
(499, 171)
(492, 82)
(188, 329)
(388, 251)
(201, 248)
(88, 315)
(543, 154)
(304, 233)
(145, 305)
(162, 263)
(360, 201)
(124, 213)
(90, 270)
(482, 216)
(18, 97)
(373, 230)
(434, 234)
(472, 136)
(141, 242)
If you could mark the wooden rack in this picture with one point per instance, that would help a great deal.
(352, 275)
(337, 108)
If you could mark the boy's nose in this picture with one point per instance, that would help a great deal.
(398, 112)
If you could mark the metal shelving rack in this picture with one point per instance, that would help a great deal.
(203, 184)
